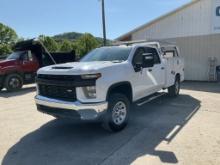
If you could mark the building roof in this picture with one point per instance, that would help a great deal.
(157, 19)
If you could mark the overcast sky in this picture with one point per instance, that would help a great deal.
(31, 18)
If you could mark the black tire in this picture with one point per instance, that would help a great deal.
(117, 114)
(13, 82)
(174, 90)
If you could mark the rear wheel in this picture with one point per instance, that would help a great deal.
(13, 82)
(118, 112)
(175, 89)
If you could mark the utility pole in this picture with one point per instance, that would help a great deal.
(103, 22)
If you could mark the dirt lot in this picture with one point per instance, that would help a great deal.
(183, 130)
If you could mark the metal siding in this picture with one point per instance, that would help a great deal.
(194, 20)
(196, 50)
(191, 30)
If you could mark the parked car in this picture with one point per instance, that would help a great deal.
(21, 66)
(104, 84)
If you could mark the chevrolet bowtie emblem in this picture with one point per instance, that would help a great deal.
(69, 90)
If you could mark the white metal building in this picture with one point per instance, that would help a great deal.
(195, 28)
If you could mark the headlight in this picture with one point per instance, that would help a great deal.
(90, 92)
(91, 76)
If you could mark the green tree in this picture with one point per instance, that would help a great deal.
(66, 46)
(7, 38)
(49, 43)
(86, 43)
(7, 34)
(5, 49)
(74, 46)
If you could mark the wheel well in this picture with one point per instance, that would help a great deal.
(11, 73)
(18, 73)
(123, 88)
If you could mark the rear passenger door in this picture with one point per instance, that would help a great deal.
(157, 72)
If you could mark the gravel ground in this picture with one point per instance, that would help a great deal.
(183, 130)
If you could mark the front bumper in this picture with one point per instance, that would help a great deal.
(76, 110)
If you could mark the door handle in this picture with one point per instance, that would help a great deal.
(162, 68)
(150, 70)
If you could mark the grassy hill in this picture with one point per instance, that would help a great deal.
(69, 36)
(72, 36)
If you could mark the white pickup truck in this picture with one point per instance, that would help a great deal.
(104, 84)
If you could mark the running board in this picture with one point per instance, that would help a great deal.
(150, 98)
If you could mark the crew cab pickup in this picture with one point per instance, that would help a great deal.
(104, 84)
(21, 66)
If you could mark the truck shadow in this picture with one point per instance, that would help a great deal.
(23, 91)
(212, 87)
(66, 142)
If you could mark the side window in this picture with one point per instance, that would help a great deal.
(24, 56)
(138, 56)
(30, 56)
(155, 54)
(169, 54)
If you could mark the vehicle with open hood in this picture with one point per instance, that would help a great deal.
(20, 67)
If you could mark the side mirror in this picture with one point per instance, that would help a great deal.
(148, 60)
(138, 67)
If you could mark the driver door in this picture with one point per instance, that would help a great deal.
(29, 62)
(143, 83)
(29, 65)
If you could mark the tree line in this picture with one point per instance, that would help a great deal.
(82, 45)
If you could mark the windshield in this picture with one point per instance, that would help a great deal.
(107, 54)
(15, 55)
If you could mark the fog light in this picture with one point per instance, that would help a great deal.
(90, 92)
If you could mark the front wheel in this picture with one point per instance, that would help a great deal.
(118, 112)
(13, 82)
(174, 90)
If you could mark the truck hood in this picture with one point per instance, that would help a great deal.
(6, 63)
(77, 67)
